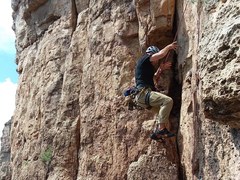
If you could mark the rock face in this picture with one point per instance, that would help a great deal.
(75, 58)
(209, 133)
(5, 170)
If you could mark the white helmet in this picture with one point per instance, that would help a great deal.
(152, 50)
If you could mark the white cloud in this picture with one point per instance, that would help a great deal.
(7, 101)
(7, 35)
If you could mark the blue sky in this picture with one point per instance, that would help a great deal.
(8, 74)
(8, 67)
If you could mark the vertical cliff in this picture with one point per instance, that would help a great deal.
(5, 169)
(75, 58)
(209, 137)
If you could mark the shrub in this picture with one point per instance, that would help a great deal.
(46, 156)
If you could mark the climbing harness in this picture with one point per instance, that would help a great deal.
(132, 92)
(147, 99)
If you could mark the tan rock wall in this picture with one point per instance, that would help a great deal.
(5, 152)
(74, 60)
(209, 61)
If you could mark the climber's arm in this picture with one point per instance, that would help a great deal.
(161, 54)
(163, 66)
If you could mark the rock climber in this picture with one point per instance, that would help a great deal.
(148, 96)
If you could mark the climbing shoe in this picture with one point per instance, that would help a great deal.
(154, 136)
(160, 134)
(164, 133)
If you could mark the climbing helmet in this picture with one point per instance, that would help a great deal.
(152, 50)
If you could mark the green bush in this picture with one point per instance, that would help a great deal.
(46, 156)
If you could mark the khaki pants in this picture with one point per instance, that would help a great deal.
(159, 102)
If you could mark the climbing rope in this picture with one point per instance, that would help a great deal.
(158, 72)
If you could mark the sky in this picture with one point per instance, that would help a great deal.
(8, 74)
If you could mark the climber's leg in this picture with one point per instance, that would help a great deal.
(164, 103)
